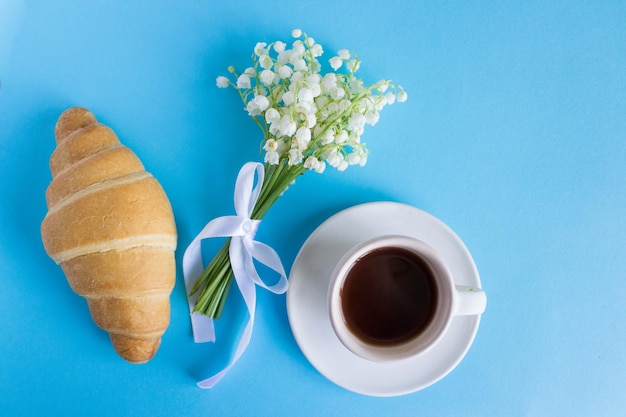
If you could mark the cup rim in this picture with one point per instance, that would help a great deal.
(426, 338)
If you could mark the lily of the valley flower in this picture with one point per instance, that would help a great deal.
(317, 118)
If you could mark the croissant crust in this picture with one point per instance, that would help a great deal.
(111, 228)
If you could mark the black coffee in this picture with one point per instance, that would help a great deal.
(389, 296)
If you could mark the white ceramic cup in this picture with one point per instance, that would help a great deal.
(451, 300)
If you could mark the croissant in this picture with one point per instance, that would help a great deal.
(111, 228)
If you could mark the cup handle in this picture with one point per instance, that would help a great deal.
(469, 301)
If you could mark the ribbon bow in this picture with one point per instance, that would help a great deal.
(242, 251)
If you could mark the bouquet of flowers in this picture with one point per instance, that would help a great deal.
(309, 120)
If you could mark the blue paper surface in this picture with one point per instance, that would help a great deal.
(514, 134)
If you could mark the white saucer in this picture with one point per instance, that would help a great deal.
(307, 300)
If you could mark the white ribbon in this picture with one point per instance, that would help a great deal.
(243, 249)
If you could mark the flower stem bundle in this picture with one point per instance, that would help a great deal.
(309, 120)
(214, 283)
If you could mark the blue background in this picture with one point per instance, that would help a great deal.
(514, 134)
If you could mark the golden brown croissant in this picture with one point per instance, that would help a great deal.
(110, 227)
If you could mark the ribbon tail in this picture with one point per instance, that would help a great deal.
(241, 347)
(201, 326)
(248, 291)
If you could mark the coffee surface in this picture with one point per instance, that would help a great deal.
(389, 296)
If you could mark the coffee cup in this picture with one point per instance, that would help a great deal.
(394, 297)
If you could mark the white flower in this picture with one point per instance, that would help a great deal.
(341, 137)
(305, 95)
(390, 97)
(383, 85)
(243, 81)
(305, 108)
(266, 62)
(324, 111)
(279, 46)
(281, 147)
(267, 77)
(259, 49)
(327, 137)
(311, 120)
(337, 93)
(344, 104)
(353, 158)
(372, 117)
(274, 129)
(289, 98)
(335, 62)
(283, 56)
(356, 122)
(303, 137)
(295, 156)
(272, 115)
(402, 96)
(270, 145)
(329, 80)
(378, 102)
(314, 79)
(320, 101)
(257, 105)
(299, 64)
(313, 163)
(298, 48)
(337, 161)
(316, 90)
(317, 50)
(310, 162)
(328, 84)
(286, 126)
(296, 33)
(251, 72)
(357, 86)
(297, 76)
(222, 82)
(284, 71)
(343, 54)
(353, 65)
(334, 159)
(272, 158)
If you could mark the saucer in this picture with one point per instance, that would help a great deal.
(307, 300)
